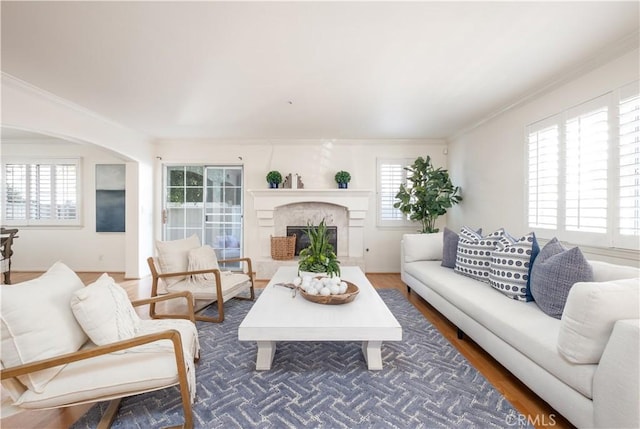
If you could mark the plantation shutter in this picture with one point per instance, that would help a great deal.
(40, 191)
(391, 177)
(65, 191)
(16, 191)
(543, 148)
(586, 160)
(629, 162)
(44, 192)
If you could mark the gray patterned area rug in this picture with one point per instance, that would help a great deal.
(425, 383)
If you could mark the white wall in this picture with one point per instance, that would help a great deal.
(81, 248)
(316, 161)
(489, 161)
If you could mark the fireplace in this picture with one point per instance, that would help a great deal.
(302, 240)
(275, 209)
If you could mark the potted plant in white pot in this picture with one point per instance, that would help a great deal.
(429, 195)
(342, 179)
(274, 178)
(319, 258)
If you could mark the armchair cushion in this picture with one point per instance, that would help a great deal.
(37, 322)
(173, 256)
(203, 258)
(104, 311)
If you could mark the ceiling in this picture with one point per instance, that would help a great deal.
(289, 70)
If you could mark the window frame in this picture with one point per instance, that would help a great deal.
(405, 222)
(611, 238)
(48, 222)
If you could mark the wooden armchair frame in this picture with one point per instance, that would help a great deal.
(157, 276)
(6, 251)
(171, 334)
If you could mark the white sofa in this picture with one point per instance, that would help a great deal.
(525, 340)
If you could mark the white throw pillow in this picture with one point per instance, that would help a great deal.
(591, 310)
(104, 311)
(37, 322)
(423, 247)
(203, 258)
(173, 256)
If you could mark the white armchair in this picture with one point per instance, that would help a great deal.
(66, 344)
(184, 265)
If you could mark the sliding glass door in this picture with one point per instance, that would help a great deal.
(206, 201)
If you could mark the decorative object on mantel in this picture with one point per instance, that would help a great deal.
(283, 248)
(286, 183)
(292, 181)
(342, 179)
(274, 178)
(319, 256)
(429, 195)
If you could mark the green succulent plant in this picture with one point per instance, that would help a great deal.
(319, 256)
(428, 195)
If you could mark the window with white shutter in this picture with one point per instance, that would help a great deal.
(629, 163)
(584, 172)
(41, 192)
(543, 177)
(391, 174)
(586, 159)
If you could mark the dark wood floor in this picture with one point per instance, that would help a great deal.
(524, 400)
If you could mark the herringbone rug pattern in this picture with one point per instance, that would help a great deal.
(425, 383)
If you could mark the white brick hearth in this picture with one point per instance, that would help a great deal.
(344, 208)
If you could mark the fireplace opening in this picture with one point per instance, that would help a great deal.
(302, 240)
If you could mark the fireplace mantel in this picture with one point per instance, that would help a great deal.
(267, 201)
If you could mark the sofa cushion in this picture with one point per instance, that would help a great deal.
(104, 311)
(554, 272)
(605, 271)
(591, 311)
(37, 322)
(173, 256)
(203, 258)
(474, 253)
(511, 267)
(423, 247)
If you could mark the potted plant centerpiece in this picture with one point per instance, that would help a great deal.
(429, 195)
(319, 257)
(274, 178)
(342, 179)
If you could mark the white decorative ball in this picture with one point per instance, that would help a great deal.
(325, 291)
(335, 289)
(343, 287)
(336, 280)
(312, 291)
(297, 281)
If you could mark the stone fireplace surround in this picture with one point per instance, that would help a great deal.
(344, 208)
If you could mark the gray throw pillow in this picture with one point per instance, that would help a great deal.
(450, 247)
(554, 273)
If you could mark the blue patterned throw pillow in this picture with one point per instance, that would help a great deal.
(511, 267)
(554, 273)
(473, 258)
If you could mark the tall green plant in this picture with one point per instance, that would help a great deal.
(319, 256)
(427, 195)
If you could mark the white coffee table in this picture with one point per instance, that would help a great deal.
(276, 316)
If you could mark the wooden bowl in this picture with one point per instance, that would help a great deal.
(343, 298)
